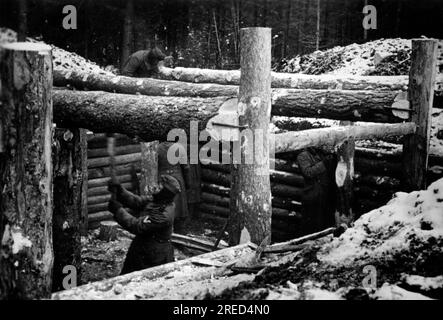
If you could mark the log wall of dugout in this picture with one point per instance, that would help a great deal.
(377, 178)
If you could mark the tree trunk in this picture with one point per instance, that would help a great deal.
(69, 158)
(251, 209)
(421, 95)
(279, 80)
(148, 118)
(127, 45)
(149, 171)
(22, 20)
(317, 36)
(152, 118)
(26, 256)
(333, 136)
(344, 176)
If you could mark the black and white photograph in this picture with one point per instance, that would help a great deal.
(228, 152)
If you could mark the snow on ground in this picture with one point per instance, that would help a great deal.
(63, 60)
(393, 292)
(424, 283)
(354, 59)
(390, 229)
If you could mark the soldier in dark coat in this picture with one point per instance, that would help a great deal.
(318, 200)
(143, 63)
(150, 222)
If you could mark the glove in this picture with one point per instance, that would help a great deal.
(114, 187)
(114, 206)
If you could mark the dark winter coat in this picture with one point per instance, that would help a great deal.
(152, 226)
(137, 65)
(318, 196)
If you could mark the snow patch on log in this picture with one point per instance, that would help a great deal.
(393, 292)
(391, 228)
(16, 238)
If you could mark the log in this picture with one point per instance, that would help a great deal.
(149, 168)
(99, 141)
(224, 179)
(152, 118)
(100, 216)
(223, 211)
(288, 80)
(276, 176)
(94, 208)
(313, 236)
(69, 158)
(106, 161)
(333, 136)
(122, 150)
(280, 206)
(26, 183)
(98, 199)
(108, 231)
(140, 86)
(123, 169)
(344, 176)
(104, 189)
(100, 182)
(421, 95)
(384, 167)
(105, 289)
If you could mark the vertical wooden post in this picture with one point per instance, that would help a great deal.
(149, 168)
(69, 158)
(26, 255)
(250, 204)
(344, 176)
(83, 141)
(421, 96)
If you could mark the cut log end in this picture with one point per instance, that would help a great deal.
(108, 231)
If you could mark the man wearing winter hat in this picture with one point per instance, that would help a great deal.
(151, 223)
(143, 63)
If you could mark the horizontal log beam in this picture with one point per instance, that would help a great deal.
(333, 136)
(102, 172)
(121, 159)
(121, 150)
(288, 80)
(143, 86)
(151, 118)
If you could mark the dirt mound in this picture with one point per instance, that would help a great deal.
(62, 60)
(401, 243)
(379, 57)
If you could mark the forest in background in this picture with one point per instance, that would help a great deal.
(205, 33)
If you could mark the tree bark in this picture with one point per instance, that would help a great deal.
(344, 176)
(333, 136)
(22, 20)
(26, 255)
(148, 118)
(127, 43)
(287, 80)
(69, 158)
(149, 168)
(152, 118)
(250, 207)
